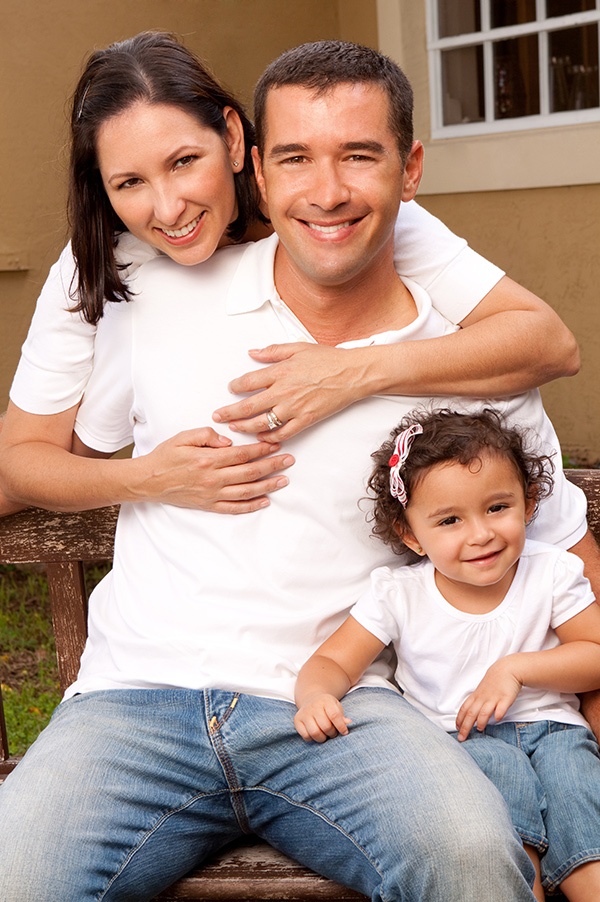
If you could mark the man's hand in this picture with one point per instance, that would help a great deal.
(321, 717)
(493, 696)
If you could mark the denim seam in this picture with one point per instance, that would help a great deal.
(553, 881)
(327, 819)
(216, 740)
(149, 832)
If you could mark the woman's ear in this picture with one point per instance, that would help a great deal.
(408, 537)
(234, 138)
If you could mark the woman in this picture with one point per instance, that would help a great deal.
(186, 189)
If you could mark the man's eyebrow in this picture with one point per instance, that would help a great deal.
(281, 149)
(373, 146)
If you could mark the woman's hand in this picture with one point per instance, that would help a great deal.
(203, 470)
(304, 383)
(321, 717)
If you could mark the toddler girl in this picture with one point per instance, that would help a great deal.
(493, 634)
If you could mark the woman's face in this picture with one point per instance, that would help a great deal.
(170, 179)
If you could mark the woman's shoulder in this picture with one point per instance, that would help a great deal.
(131, 253)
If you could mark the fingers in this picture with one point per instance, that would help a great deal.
(205, 437)
(472, 712)
(275, 353)
(252, 410)
(321, 721)
(476, 713)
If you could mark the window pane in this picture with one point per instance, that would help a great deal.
(567, 7)
(512, 12)
(458, 17)
(573, 68)
(462, 82)
(516, 91)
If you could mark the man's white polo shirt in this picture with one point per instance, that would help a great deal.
(198, 599)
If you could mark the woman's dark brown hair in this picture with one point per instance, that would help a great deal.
(451, 436)
(156, 68)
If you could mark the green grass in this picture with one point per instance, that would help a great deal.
(28, 670)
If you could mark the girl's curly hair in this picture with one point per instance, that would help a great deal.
(450, 436)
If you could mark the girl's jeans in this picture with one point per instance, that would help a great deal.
(549, 776)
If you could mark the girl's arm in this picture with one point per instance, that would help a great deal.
(573, 666)
(328, 675)
(196, 469)
(511, 341)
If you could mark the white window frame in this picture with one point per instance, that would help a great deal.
(487, 36)
(521, 158)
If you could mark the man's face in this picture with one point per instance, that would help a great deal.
(333, 180)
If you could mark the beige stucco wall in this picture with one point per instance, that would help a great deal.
(549, 240)
(42, 48)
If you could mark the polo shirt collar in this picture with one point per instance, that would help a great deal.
(253, 283)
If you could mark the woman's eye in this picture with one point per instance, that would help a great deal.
(184, 161)
(128, 183)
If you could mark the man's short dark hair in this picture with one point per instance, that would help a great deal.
(322, 65)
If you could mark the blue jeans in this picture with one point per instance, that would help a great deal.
(127, 790)
(549, 775)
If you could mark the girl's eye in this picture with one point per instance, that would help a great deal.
(449, 521)
(495, 508)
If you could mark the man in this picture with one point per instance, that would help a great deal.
(180, 725)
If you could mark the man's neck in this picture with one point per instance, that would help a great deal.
(374, 301)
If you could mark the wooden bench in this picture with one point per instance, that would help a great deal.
(63, 542)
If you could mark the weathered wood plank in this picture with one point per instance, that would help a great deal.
(36, 535)
(259, 873)
(589, 481)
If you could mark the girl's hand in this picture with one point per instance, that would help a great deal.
(321, 717)
(304, 383)
(203, 470)
(494, 695)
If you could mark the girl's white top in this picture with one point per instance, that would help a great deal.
(443, 653)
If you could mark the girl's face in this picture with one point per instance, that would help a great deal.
(470, 522)
(170, 179)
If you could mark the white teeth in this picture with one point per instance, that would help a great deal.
(331, 228)
(184, 230)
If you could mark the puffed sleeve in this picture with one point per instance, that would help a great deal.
(378, 609)
(572, 591)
